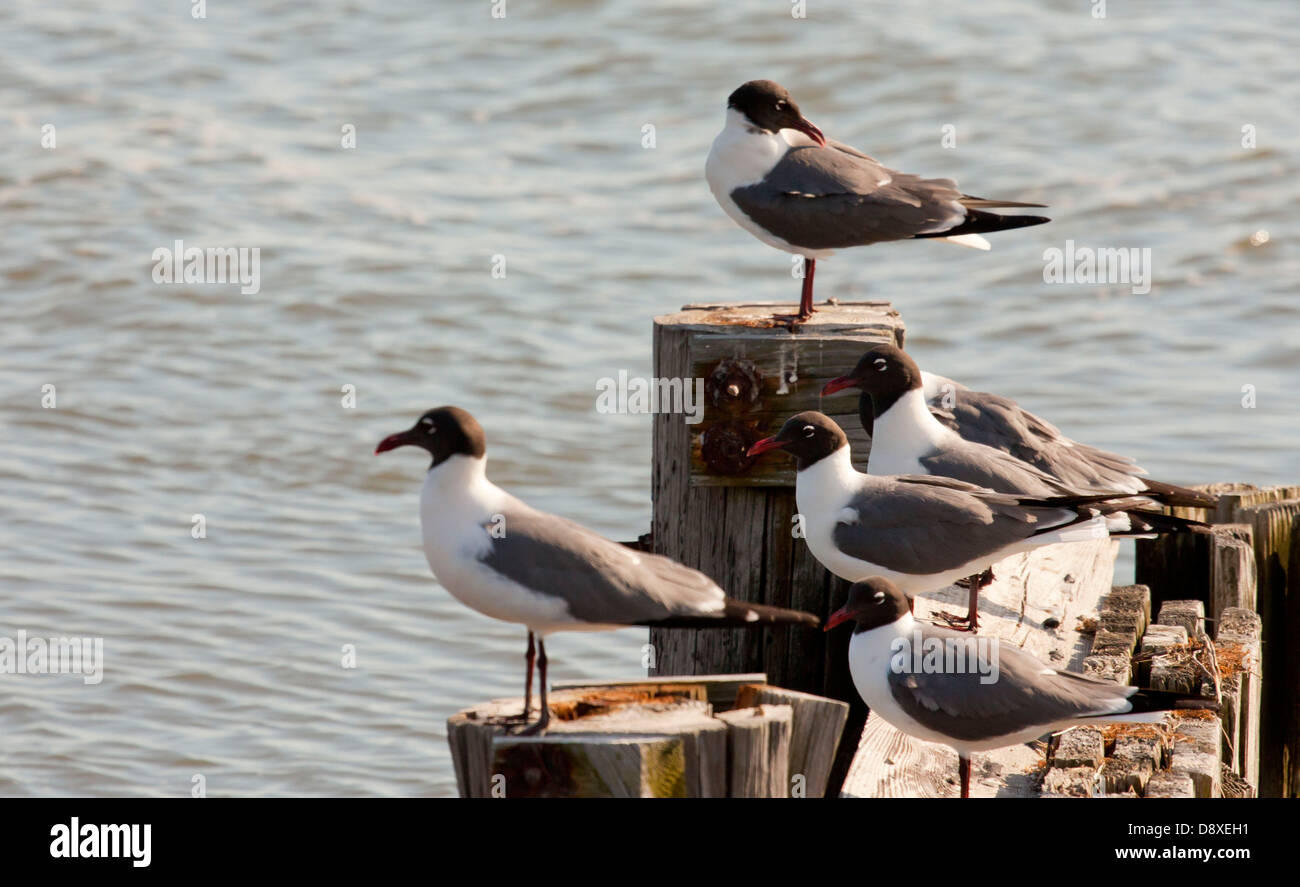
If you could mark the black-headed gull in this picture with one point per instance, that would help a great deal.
(779, 178)
(974, 694)
(924, 532)
(505, 559)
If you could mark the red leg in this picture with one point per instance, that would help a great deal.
(540, 726)
(971, 621)
(806, 295)
(529, 657)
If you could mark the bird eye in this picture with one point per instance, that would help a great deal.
(780, 106)
(881, 364)
(809, 431)
(431, 427)
(879, 596)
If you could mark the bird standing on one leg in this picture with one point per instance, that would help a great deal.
(778, 177)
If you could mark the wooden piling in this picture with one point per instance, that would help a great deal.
(731, 517)
(662, 738)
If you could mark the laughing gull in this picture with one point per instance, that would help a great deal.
(925, 532)
(981, 696)
(780, 179)
(981, 438)
(507, 560)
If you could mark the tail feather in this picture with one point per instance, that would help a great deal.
(978, 222)
(1172, 494)
(1143, 522)
(984, 203)
(739, 614)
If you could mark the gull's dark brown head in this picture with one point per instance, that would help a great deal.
(444, 432)
(808, 436)
(884, 373)
(768, 107)
(872, 603)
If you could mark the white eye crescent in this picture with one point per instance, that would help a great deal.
(432, 428)
(881, 364)
(809, 431)
(880, 597)
(780, 106)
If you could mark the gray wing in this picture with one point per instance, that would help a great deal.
(1001, 423)
(829, 197)
(600, 581)
(1025, 694)
(923, 525)
(985, 466)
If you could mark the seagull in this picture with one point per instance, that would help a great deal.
(984, 694)
(499, 556)
(981, 438)
(924, 532)
(778, 177)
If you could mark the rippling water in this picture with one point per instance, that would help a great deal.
(522, 137)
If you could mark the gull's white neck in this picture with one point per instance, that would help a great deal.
(825, 485)
(742, 154)
(459, 480)
(903, 434)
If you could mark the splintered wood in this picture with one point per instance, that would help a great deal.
(653, 738)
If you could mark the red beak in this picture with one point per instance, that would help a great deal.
(839, 384)
(806, 127)
(767, 443)
(392, 442)
(839, 617)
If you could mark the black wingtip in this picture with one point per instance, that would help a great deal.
(978, 222)
(1164, 700)
(1172, 494)
(739, 614)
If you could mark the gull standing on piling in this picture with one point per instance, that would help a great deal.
(981, 438)
(508, 560)
(925, 532)
(907, 438)
(778, 177)
(985, 697)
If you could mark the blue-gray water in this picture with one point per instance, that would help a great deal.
(522, 137)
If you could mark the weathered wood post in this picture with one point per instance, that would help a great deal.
(1216, 572)
(731, 517)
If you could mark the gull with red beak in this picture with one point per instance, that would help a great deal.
(908, 438)
(778, 177)
(921, 423)
(972, 696)
(923, 532)
(505, 559)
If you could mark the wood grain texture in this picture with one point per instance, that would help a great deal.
(758, 745)
(818, 725)
(739, 530)
(1277, 567)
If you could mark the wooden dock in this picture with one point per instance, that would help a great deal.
(758, 713)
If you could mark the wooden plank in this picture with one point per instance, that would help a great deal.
(719, 689)
(758, 748)
(1232, 570)
(1277, 566)
(590, 766)
(1057, 584)
(1237, 650)
(756, 376)
(601, 715)
(738, 530)
(818, 724)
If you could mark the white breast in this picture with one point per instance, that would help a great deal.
(741, 156)
(458, 507)
(904, 434)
